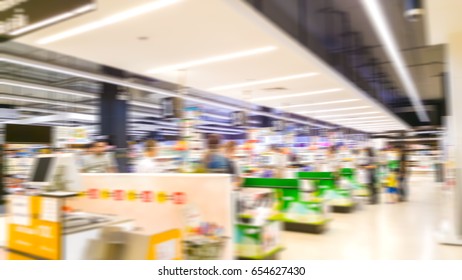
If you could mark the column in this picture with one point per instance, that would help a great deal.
(113, 117)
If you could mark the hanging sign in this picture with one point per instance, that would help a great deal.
(238, 118)
(278, 125)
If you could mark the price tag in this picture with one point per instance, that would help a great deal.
(162, 197)
(146, 196)
(131, 195)
(179, 198)
(105, 194)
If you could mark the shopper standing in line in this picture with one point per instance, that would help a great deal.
(148, 163)
(402, 176)
(99, 160)
(214, 160)
(370, 165)
(280, 162)
(230, 153)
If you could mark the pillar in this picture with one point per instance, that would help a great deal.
(452, 232)
(113, 117)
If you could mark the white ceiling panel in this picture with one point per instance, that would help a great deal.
(192, 30)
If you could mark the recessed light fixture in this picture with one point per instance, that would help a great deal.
(116, 18)
(320, 103)
(334, 110)
(212, 59)
(292, 95)
(261, 82)
(382, 29)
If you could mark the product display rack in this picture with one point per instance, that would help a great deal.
(340, 200)
(309, 216)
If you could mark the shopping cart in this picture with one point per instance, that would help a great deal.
(204, 248)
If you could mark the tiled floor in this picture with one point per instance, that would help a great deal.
(385, 231)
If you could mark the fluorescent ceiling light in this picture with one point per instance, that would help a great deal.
(382, 29)
(213, 131)
(52, 20)
(142, 114)
(334, 110)
(103, 78)
(144, 104)
(356, 119)
(116, 18)
(215, 116)
(46, 88)
(320, 103)
(45, 101)
(213, 59)
(219, 128)
(347, 115)
(347, 122)
(260, 82)
(292, 95)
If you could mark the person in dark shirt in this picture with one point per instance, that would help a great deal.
(402, 176)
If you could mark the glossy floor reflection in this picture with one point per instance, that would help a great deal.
(385, 231)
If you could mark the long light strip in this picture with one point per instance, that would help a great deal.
(141, 114)
(219, 128)
(34, 100)
(293, 95)
(261, 82)
(52, 20)
(356, 119)
(334, 110)
(45, 88)
(215, 116)
(144, 104)
(382, 29)
(348, 122)
(107, 79)
(347, 115)
(317, 104)
(222, 132)
(213, 59)
(116, 18)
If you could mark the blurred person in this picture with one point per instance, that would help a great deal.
(148, 163)
(370, 167)
(230, 153)
(280, 161)
(214, 160)
(392, 186)
(98, 160)
(402, 176)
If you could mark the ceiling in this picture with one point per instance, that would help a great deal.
(195, 30)
(443, 20)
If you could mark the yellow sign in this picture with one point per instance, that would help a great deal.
(162, 197)
(39, 238)
(165, 246)
(131, 195)
(105, 194)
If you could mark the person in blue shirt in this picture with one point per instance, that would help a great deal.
(214, 160)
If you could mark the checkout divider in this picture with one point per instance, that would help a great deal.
(127, 216)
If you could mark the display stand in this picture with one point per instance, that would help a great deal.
(302, 215)
(258, 242)
(37, 227)
(340, 200)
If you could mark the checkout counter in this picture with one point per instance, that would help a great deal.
(71, 216)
